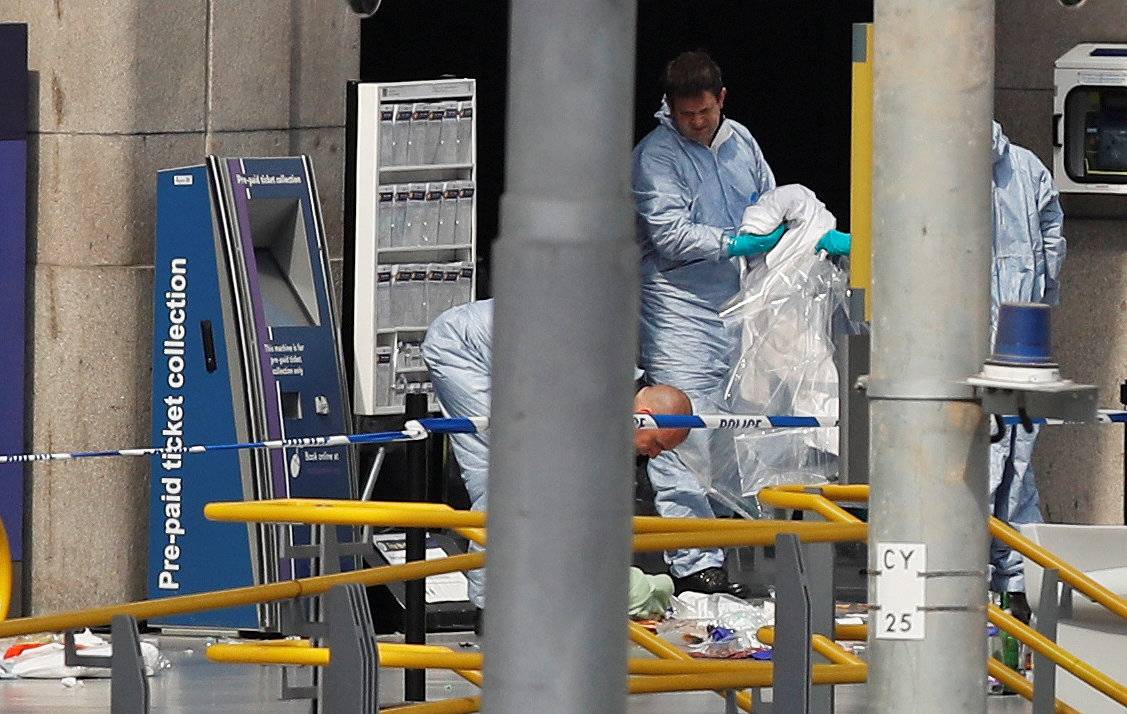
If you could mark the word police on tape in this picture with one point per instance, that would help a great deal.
(900, 591)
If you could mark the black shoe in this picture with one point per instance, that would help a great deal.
(477, 618)
(1019, 607)
(709, 580)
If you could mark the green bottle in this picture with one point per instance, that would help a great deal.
(1011, 647)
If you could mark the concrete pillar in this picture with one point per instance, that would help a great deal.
(1079, 469)
(122, 88)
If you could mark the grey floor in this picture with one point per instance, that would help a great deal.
(192, 684)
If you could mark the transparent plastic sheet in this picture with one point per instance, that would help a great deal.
(786, 313)
(786, 367)
(717, 625)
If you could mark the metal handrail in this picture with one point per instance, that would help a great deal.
(816, 498)
(5, 573)
(859, 493)
(233, 597)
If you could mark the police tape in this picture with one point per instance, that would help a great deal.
(731, 422)
(420, 429)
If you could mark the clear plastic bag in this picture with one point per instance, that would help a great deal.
(786, 312)
(717, 625)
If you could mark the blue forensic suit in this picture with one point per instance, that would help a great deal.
(1029, 251)
(688, 198)
(458, 353)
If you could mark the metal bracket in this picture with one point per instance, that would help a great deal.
(311, 618)
(1044, 669)
(351, 683)
(819, 567)
(1065, 400)
(792, 627)
(129, 688)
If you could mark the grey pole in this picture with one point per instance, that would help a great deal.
(564, 340)
(932, 236)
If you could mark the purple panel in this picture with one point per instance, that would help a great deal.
(13, 272)
(269, 384)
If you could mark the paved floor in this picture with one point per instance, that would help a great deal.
(192, 684)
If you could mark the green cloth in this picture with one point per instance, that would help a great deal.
(650, 595)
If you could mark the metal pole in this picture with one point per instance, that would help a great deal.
(565, 332)
(415, 607)
(932, 236)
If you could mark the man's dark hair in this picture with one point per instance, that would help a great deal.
(690, 74)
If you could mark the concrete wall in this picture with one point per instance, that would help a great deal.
(122, 88)
(1080, 469)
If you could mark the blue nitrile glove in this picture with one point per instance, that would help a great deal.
(754, 243)
(835, 243)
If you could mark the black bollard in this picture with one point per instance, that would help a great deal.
(415, 616)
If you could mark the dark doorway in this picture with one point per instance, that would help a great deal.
(786, 65)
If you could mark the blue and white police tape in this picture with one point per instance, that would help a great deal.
(379, 437)
(735, 422)
(1103, 416)
(473, 425)
(420, 429)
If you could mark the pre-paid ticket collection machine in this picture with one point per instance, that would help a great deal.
(244, 349)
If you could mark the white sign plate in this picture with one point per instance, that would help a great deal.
(900, 591)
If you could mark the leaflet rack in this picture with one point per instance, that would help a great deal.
(410, 229)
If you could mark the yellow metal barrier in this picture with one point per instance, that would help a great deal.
(660, 648)
(405, 656)
(759, 677)
(847, 493)
(266, 654)
(831, 651)
(465, 705)
(820, 643)
(808, 533)
(998, 529)
(1062, 657)
(999, 671)
(653, 534)
(430, 515)
(1003, 532)
(673, 674)
(5, 573)
(658, 675)
(344, 513)
(1076, 578)
(658, 524)
(807, 502)
(250, 595)
(860, 633)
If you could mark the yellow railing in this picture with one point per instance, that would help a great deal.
(998, 529)
(233, 597)
(5, 573)
(671, 674)
(407, 656)
(829, 649)
(819, 499)
(680, 672)
(676, 671)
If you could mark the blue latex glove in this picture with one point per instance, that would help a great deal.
(754, 243)
(835, 243)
